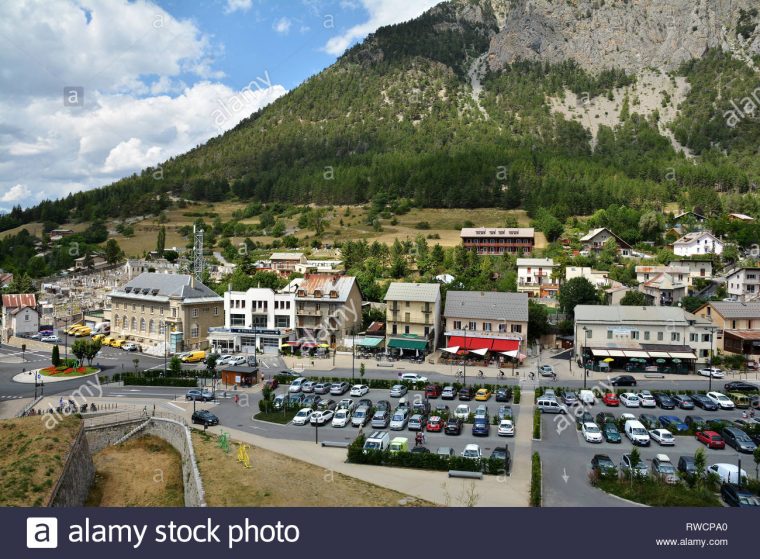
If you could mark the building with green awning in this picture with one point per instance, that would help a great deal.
(408, 341)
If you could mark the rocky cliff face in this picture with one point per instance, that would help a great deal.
(627, 34)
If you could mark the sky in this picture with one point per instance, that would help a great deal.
(95, 90)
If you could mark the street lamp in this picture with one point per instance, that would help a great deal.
(583, 357)
(353, 354)
(712, 330)
(464, 359)
(166, 344)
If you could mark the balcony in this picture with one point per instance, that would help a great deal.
(309, 312)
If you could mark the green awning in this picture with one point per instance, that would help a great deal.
(404, 343)
(370, 342)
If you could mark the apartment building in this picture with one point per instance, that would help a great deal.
(743, 284)
(698, 269)
(535, 277)
(413, 316)
(499, 240)
(486, 320)
(738, 325)
(328, 309)
(594, 241)
(698, 243)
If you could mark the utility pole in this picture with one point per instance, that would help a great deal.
(712, 330)
(583, 357)
(464, 359)
(353, 354)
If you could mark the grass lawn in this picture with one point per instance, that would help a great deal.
(67, 372)
(142, 472)
(269, 481)
(34, 450)
(277, 416)
(656, 494)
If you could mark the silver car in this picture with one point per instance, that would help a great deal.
(398, 390)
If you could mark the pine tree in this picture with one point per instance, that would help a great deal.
(161, 242)
(56, 356)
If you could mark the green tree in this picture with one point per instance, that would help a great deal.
(538, 320)
(56, 356)
(651, 225)
(175, 365)
(112, 251)
(92, 347)
(79, 349)
(635, 462)
(634, 298)
(577, 291)
(363, 370)
(161, 241)
(700, 465)
(690, 303)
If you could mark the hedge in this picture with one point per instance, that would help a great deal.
(536, 424)
(535, 480)
(516, 394)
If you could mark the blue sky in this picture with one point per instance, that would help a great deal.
(95, 90)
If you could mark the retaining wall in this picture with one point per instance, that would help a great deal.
(73, 486)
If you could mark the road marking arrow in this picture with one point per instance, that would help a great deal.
(564, 475)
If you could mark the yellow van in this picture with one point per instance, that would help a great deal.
(73, 329)
(98, 338)
(118, 343)
(740, 400)
(193, 356)
(83, 331)
(105, 340)
(399, 444)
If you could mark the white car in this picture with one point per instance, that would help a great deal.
(223, 359)
(341, 418)
(462, 411)
(646, 400)
(413, 377)
(295, 386)
(308, 386)
(714, 372)
(728, 473)
(662, 436)
(321, 417)
(506, 428)
(130, 346)
(721, 400)
(627, 416)
(53, 339)
(472, 451)
(399, 420)
(346, 404)
(303, 416)
(591, 432)
(630, 400)
(237, 360)
(448, 393)
(359, 390)
(546, 371)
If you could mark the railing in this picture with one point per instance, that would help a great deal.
(129, 416)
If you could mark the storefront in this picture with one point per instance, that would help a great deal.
(239, 376)
(408, 344)
(666, 359)
(243, 340)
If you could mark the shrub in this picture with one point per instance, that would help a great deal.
(516, 394)
(536, 424)
(422, 225)
(56, 356)
(535, 480)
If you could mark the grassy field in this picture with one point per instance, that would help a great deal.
(32, 458)
(269, 481)
(656, 494)
(142, 472)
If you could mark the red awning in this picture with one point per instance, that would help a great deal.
(491, 344)
(308, 345)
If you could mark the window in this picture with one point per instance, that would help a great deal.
(407, 304)
(161, 311)
(26, 317)
(486, 327)
(706, 337)
(634, 334)
(502, 327)
(142, 325)
(406, 329)
(473, 326)
(394, 330)
(174, 312)
(693, 337)
(116, 321)
(282, 321)
(659, 336)
(195, 331)
(609, 334)
(216, 311)
(589, 334)
(151, 309)
(406, 317)
(675, 336)
(733, 324)
(646, 334)
(142, 308)
(517, 328)
(237, 320)
(195, 313)
(124, 322)
(134, 324)
(162, 328)
(427, 331)
(457, 325)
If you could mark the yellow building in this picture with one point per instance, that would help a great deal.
(413, 316)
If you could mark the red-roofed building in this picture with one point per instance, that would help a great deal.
(20, 315)
(328, 308)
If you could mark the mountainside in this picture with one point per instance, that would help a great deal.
(470, 105)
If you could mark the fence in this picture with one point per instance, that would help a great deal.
(129, 416)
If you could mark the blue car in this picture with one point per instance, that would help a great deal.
(481, 427)
(673, 424)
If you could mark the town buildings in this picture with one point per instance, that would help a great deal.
(499, 240)
(743, 284)
(20, 315)
(535, 276)
(697, 243)
(738, 325)
(328, 309)
(594, 241)
(413, 316)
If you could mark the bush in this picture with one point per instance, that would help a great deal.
(56, 356)
(424, 461)
(422, 225)
(516, 394)
(537, 424)
(535, 480)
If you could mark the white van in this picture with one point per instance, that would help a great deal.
(587, 397)
(728, 473)
(636, 433)
(379, 440)
(550, 405)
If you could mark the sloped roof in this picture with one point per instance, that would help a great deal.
(594, 232)
(493, 305)
(606, 314)
(19, 300)
(286, 256)
(422, 292)
(664, 281)
(17, 310)
(326, 283)
(694, 236)
(157, 285)
(731, 309)
(497, 232)
(548, 262)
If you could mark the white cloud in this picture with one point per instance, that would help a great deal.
(238, 6)
(381, 12)
(282, 25)
(138, 111)
(16, 193)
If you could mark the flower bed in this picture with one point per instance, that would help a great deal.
(65, 371)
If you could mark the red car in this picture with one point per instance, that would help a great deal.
(611, 399)
(432, 391)
(435, 424)
(711, 439)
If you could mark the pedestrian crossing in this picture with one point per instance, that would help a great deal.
(10, 397)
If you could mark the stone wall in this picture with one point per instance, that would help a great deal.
(73, 486)
(173, 432)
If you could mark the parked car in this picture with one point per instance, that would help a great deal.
(630, 400)
(506, 428)
(433, 390)
(237, 360)
(130, 346)
(321, 417)
(297, 385)
(359, 390)
(481, 427)
(503, 394)
(585, 417)
(504, 412)
(502, 453)
(308, 386)
(445, 451)
(448, 393)
(687, 465)
(721, 400)
(339, 388)
(641, 469)
(695, 421)
(462, 411)
(546, 371)
(664, 401)
(646, 399)
(483, 395)
(322, 388)
(610, 399)
(472, 451)
(673, 423)
(738, 439)
(727, 473)
(398, 390)
(715, 372)
(360, 417)
(465, 394)
(604, 417)
(380, 420)
(413, 377)
(683, 401)
(739, 386)
(328, 404)
(591, 433)
(311, 400)
(303, 416)
(663, 437)
(738, 496)
(417, 422)
(453, 426)
(434, 424)
(636, 433)
(380, 405)
(341, 418)
(663, 468)
(711, 439)
(623, 380)
(205, 418)
(702, 401)
(420, 450)
(570, 398)
(50, 339)
(602, 464)
(368, 403)
(610, 433)
(649, 421)
(346, 404)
